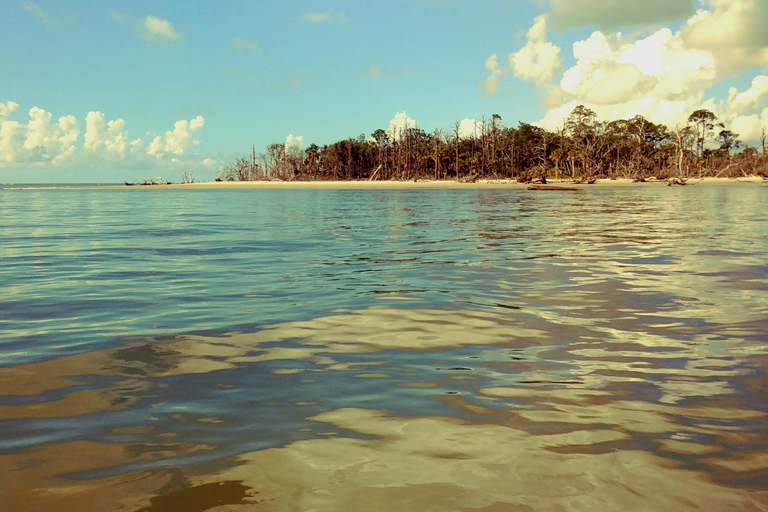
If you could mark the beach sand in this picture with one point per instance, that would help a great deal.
(430, 184)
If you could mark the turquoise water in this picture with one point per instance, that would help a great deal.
(410, 349)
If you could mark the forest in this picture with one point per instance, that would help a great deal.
(583, 150)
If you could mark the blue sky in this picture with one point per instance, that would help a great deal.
(110, 90)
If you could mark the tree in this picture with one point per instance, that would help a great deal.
(436, 140)
(684, 137)
(584, 148)
(227, 172)
(456, 140)
(276, 160)
(586, 132)
(728, 141)
(243, 169)
(702, 121)
(311, 159)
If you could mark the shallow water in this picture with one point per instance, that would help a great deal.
(446, 349)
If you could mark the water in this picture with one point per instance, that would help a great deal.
(432, 349)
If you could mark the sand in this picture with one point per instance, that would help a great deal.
(435, 184)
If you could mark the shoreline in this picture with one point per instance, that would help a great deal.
(432, 184)
(393, 184)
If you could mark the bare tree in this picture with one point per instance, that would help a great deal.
(436, 143)
(456, 140)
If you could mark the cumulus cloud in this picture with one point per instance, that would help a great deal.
(733, 31)
(150, 30)
(662, 75)
(57, 142)
(657, 77)
(323, 17)
(399, 125)
(566, 14)
(157, 31)
(242, 44)
(377, 71)
(539, 60)
(37, 141)
(747, 112)
(177, 141)
(11, 141)
(294, 145)
(490, 84)
(106, 138)
(470, 128)
(751, 100)
(6, 109)
(41, 141)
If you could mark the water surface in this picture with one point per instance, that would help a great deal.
(447, 349)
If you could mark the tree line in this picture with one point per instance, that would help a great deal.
(583, 149)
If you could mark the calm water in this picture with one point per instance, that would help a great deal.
(426, 350)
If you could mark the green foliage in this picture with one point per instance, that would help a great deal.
(584, 149)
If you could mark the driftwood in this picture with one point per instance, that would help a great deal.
(550, 187)
(681, 181)
(150, 181)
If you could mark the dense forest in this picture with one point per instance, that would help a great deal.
(584, 149)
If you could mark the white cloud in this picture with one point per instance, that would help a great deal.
(38, 128)
(490, 84)
(664, 76)
(150, 30)
(751, 100)
(567, 14)
(323, 17)
(38, 12)
(6, 109)
(42, 142)
(747, 112)
(157, 31)
(733, 31)
(399, 125)
(11, 141)
(177, 141)
(539, 60)
(242, 44)
(657, 67)
(377, 71)
(294, 145)
(471, 128)
(657, 77)
(107, 140)
(38, 141)
(749, 128)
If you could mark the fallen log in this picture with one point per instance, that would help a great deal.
(550, 187)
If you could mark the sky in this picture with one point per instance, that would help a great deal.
(104, 90)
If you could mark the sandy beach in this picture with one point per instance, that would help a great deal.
(426, 184)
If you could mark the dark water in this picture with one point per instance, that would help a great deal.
(449, 349)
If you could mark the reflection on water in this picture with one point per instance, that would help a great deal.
(441, 350)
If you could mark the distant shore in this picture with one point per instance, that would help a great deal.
(426, 184)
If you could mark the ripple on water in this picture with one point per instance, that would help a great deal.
(447, 349)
